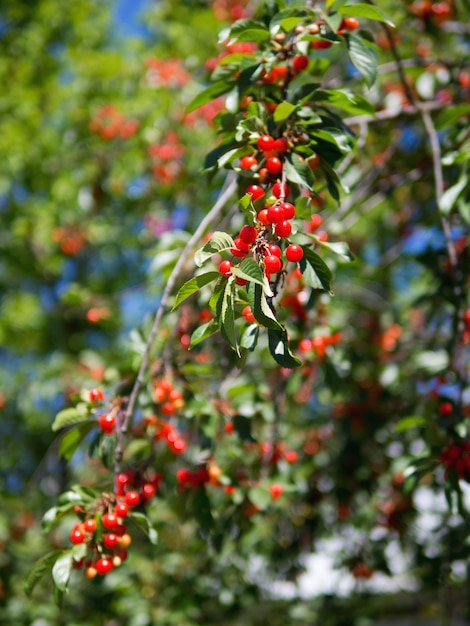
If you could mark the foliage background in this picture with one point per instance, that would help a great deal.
(90, 229)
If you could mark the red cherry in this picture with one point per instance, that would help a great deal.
(321, 44)
(90, 525)
(248, 162)
(148, 491)
(280, 189)
(107, 422)
(248, 234)
(276, 491)
(132, 499)
(305, 345)
(229, 427)
(281, 144)
(125, 478)
(168, 408)
(77, 536)
(349, 23)
(275, 214)
(104, 565)
(96, 395)
(272, 263)
(241, 245)
(109, 521)
(256, 192)
(274, 166)
(446, 409)
(225, 268)
(111, 540)
(294, 253)
(300, 62)
(322, 235)
(315, 223)
(248, 315)
(263, 217)
(283, 229)
(273, 250)
(265, 143)
(178, 446)
(121, 510)
(289, 210)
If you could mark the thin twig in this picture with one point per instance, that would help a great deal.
(226, 192)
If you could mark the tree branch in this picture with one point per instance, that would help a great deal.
(226, 192)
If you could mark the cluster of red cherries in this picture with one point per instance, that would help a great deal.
(457, 457)
(105, 536)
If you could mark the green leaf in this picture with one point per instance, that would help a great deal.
(219, 241)
(260, 497)
(340, 248)
(260, 307)
(362, 57)
(37, 571)
(71, 441)
(192, 286)
(303, 208)
(54, 514)
(283, 111)
(249, 337)
(208, 94)
(407, 423)
(67, 417)
(299, 172)
(347, 101)
(226, 314)
(62, 569)
(279, 348)
(243, 427)
(316, 272)
(251, 271)
(203, 332)
(450, 196)
(451, 114)
(366, 11)
(145, 524)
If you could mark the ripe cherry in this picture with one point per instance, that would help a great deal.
(230, 426)
(77, 536)
(248, 162)
(96, 395)
(294, 253)
(281, 190)
(446, 409)
(104, 565)
(148, 491)
(263, 217)
(265, 143)
(283, 229)
(314, 161)
(300, 62)
(349, 23)
(256, 192)
(281, 144)
(110, 521)
(107, 422)
(90, 525)
(289, 210)
(321, 44)
(225, 268)
(178, 446)
(273, 264)
(275, 214)
(249, 317)
(274, 166)
(111, 540)
(274, 250)
(132, 499)
(276, 491)
(248, 234)
(315, 223)
(121, 510)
